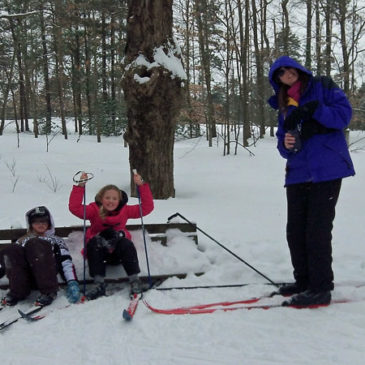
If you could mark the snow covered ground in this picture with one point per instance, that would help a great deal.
(240, 201)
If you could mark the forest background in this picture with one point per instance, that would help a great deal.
(66, 59)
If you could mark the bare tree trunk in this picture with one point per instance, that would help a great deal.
(23, 29)
(308, 44)
(59, 52)
(47, 91)
(260, 86)
(76, 75)
(103, 59)
(153, 94)
(15, 112)
(9, 76)
(244, 39)
(33, 100)
(97, 116)
(112, 75)
(265, 49)
(341, 14)
(17, 51)
(90, 106)
(318, 39)
(328, 16)
(201, 8)
(286, 27)
(189, 24)
(227, 16)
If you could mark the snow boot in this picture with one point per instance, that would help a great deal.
(97, 292)
(290, 289)
(9, 300)
(137, 286)
(46, 299)
(309, 298)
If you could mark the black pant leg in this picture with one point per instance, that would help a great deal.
(297, 205)
(322, 203)
(42, 263)
(96, 255)
(17, 270)
(126, 253)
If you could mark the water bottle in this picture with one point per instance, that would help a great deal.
(298, 143)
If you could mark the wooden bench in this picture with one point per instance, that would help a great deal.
(156, 232)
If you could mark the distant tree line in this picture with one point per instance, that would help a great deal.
(65, 58)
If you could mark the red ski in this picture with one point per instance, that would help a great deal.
(230, 306)
(132, 307)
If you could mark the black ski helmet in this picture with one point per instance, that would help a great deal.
(39, 212)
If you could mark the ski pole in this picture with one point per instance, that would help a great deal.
(224, 247)
(144, 233)
(78, 181)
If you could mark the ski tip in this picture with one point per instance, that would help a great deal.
(24, 315)
(28, 316)
(126, 316)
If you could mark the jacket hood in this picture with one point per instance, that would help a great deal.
(284, 61)
(45, 212)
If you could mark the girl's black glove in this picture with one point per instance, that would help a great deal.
(110, 238)
(302, 113)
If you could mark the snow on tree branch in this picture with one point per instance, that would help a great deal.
(5, 14)
(160, 59)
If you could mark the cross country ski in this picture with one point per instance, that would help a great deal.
(128, 313)
(232, 306)
(21, 314)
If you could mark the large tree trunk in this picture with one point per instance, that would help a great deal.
(153, 93)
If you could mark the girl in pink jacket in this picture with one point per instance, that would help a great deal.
(108, 241)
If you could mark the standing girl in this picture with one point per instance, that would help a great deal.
(108, 241)
(313, 113)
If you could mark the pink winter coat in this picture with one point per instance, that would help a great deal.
(117, 220)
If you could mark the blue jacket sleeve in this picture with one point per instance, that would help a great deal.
(280, 134)
(334, 109)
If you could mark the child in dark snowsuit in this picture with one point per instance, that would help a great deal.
(35, 260)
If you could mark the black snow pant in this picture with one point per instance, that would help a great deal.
(99, 256)
(28, 267)
(311, 211)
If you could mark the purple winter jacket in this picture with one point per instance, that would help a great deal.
(323, 157)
